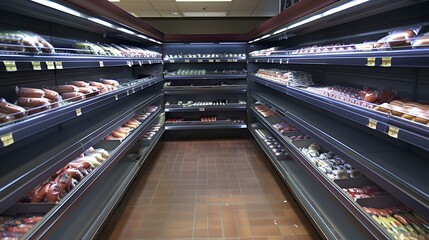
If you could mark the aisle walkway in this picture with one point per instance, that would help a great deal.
(208, 190)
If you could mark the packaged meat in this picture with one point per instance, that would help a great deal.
(73, 96)
(52, 95)
(79, 83)
(110, 82)
(33, 102)
(11, 109)
(399, 38)
(66, 88)
(421, 41)
(29, 92)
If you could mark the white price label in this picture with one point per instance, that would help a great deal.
(36, 65)
(50, 65)
(101, 63)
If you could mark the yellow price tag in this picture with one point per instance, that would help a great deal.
(386, 62)
(200, 60)
(50, 65)
(201, 109)
(58, 65)
(10, 66)
(217, 60)
(186, 60)
(229, 60)
(36, 65)
(172, 61)
(393, 132)
(78, 112)
(7, 139)
(370, 62)
(372, 123)
(211, 60)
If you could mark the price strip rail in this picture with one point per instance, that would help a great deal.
(12, 63)
(16, 131)
(209, 108)
(205, 60)
(205, 76)
(402, 129)
(376, 58)
(397, 170)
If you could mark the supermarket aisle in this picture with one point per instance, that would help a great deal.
(208, 189)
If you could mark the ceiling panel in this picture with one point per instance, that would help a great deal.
(164, 6)
(146, 13)
(237, 8)
(209, 7)
(135, 6)
(245, 5)
(239, 13)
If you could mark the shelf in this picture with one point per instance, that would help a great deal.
(332, 221)
(205, 89)
(413, 133)
(84, 205)
(196, 125)
(321, 178)
(205, 60)
(205, 77)
(383, 58)
(228, 107)
(52, 62)
(24, 168)
(29, 126)
(392, 167)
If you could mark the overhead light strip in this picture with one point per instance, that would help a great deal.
(331, 11)
(58, 7)
(73, 12)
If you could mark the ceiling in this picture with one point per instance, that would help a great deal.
(171, 8)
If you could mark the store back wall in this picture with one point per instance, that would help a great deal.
(204, 25)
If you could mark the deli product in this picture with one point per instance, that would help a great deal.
(265, 111)
(286, 77)
(421, 41)
(66, 179)
(79, 83)
(110, 82)
(365, 192)
(329, 163)
(400, 38)
(275, 147)
(66, 88)
(29, 92)
(12, 228)
(11, 109)
(26, 42)
(284, 128)
(73, 96)
(401, 222)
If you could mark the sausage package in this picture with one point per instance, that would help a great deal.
(398, 39)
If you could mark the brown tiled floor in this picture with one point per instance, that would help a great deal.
(212, 189)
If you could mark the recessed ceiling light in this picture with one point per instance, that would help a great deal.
(114, 0)
(204, 14)
(174, 13)
(203, 0)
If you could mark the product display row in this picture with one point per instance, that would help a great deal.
(402, 39)
(347, 180)
(20, 42)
